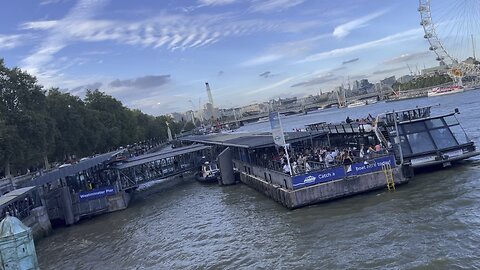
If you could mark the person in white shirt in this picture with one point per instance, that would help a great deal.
(362, 152)
(329, 159)
(286, 169)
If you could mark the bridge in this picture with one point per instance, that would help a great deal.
(298, 109)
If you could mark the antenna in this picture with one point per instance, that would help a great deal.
(473, 47)
(411, 72)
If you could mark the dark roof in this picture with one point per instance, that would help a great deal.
(14, 194)
(160, 155)
(250, 140)
(73, 169)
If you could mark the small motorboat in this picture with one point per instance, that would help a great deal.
(357, 103)
(208, 173)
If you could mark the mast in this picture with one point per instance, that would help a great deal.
(473, 48)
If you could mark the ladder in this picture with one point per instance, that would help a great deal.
(387, 170)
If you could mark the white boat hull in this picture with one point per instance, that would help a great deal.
(433, 94)
(356, 104)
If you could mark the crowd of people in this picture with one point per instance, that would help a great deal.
(19, 208)
(304, 160)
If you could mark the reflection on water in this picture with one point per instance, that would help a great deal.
(431, 223)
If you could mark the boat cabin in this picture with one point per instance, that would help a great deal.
(209, 172)
(422, 140)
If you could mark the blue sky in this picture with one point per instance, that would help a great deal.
(156, 55)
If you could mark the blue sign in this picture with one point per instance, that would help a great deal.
(314, 178)
(370, 166)
(96, 193)
(331, 174)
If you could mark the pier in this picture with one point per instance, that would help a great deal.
(257, 162)
(106, 183)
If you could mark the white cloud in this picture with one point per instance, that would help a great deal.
(272, 86)
(170, 31)
(39, 25)
(216, 2)
(261, 60)
(11, 41)
(49, 2)
(407, 57)
(284, 50)
(39, 62)
(344, 29)
(274, 5)
(388, 40)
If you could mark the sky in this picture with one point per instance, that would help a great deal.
(157, 55)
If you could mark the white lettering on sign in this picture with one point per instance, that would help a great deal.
(325, 175)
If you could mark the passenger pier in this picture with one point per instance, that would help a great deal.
(258, 163)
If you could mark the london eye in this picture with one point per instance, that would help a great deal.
(452, 29)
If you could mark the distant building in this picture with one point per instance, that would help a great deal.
(178, 117)
(254, 109)
(405, 78)
(389, 81)
(438, 70)
(356, 85)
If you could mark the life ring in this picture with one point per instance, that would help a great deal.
(456, 72)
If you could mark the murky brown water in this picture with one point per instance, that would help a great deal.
(431, 223)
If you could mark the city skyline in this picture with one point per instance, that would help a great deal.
(156, 56)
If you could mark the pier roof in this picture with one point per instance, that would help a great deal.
(250, 140)
(73, 169)
(135, 161)
(12, 195)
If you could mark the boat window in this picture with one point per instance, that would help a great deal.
(459, 134)
(405, 147)
(414, 127)
(451, 120)
(420, 142)
(434, 123)
(443, 138)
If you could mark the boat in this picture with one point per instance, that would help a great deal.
(440, 91)
(263, 119)
(425, 140)
(208, 173)
(357, 103)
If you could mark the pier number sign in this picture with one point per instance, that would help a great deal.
(277, 130)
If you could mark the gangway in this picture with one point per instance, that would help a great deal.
(141, 169)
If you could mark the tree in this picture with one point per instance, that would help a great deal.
(23, 111)
(37, 126)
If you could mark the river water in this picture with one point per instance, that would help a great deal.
(433, 222)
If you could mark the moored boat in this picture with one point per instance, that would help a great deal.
(357, 103)
(440, 91)
(208, 173)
